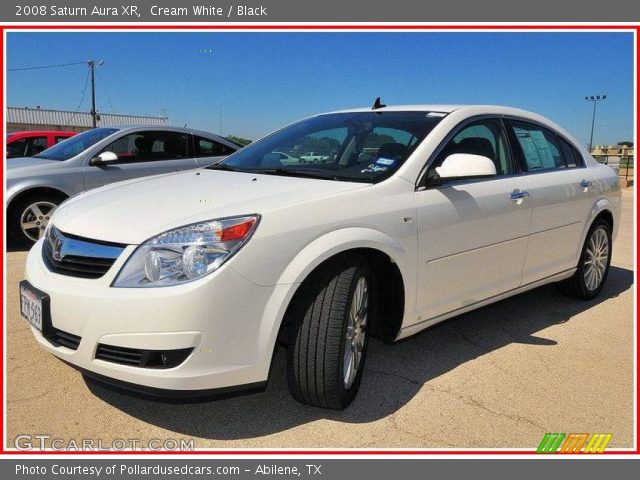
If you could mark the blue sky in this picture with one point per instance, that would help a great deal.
(265, 80)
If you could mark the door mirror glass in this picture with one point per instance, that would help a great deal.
(466, 165)
(104, 158)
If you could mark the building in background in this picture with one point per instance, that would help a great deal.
(23, 119)
(620, 150)
(620, 157)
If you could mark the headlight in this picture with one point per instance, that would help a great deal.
(186, 253)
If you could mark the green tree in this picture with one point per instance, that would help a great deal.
(376, 140)
(626, 143)
(238, 140)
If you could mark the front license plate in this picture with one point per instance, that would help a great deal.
(31, 305)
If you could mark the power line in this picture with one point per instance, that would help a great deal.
(45, 66)
(106, 93)
(84, 92)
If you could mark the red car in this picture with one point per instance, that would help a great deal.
(28, 144)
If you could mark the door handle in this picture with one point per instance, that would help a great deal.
(518, 195)
(585, 184)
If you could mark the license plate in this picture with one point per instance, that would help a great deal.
(31, 306)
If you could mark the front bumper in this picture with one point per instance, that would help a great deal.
(230, 323)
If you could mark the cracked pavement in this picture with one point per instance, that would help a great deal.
(499, 377)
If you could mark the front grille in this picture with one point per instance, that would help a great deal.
(60, 338)
(78, 257)
(142, 358)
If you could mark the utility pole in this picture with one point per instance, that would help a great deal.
(595, 99)
(94, 113)
(92, 67)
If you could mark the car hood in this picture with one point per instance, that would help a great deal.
(26, 162)
(133, 211)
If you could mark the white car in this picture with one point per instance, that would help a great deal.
(313, 157)
(285, 158)
(461, 206)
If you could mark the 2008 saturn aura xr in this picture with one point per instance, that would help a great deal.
(183, 283)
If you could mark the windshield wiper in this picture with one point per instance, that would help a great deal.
(223, 166)
(298, 172)
(286, 172)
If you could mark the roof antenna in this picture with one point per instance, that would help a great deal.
(378, 104)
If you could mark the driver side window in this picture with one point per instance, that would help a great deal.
(484, 137)
(149, 146)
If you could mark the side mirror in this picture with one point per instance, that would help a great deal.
(466, 165)
(103, 159)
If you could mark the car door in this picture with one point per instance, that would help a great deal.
(208, 151)
(140, 154)
(562, 194)
(472, 234)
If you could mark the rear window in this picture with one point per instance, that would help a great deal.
(205, 147)
(571, 155)
(542, 149)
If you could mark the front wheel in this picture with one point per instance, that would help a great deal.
(28, 218)
(328, 333)
(588, 280)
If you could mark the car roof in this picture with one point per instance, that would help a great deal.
(469, 111)
(202, 133)
(447, 108)
(442, 108)
(473, 110)
(41, 132)
(123, 128)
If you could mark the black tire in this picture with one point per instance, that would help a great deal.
(577, 286)
(17, 209)
(317, 332)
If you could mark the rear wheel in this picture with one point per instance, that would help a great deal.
(328, 333)
(588, 280)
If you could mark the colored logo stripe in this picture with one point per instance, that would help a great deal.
(550, 442)
(598, 442)
(574, 442)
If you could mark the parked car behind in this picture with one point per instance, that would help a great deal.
(614, 162)
(38, 184)
(313, 157)
(286, 159)
(181, 285)
(28, 144)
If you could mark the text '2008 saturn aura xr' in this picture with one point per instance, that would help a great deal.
(407, 216)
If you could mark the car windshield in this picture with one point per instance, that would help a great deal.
(75, 145)
(351, 146)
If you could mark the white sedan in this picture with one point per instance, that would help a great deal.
(460, 206)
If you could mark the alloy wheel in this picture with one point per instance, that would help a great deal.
(596, 259)
(356, 332)
(35, 218)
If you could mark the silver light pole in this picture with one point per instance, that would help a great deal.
(595, 99)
